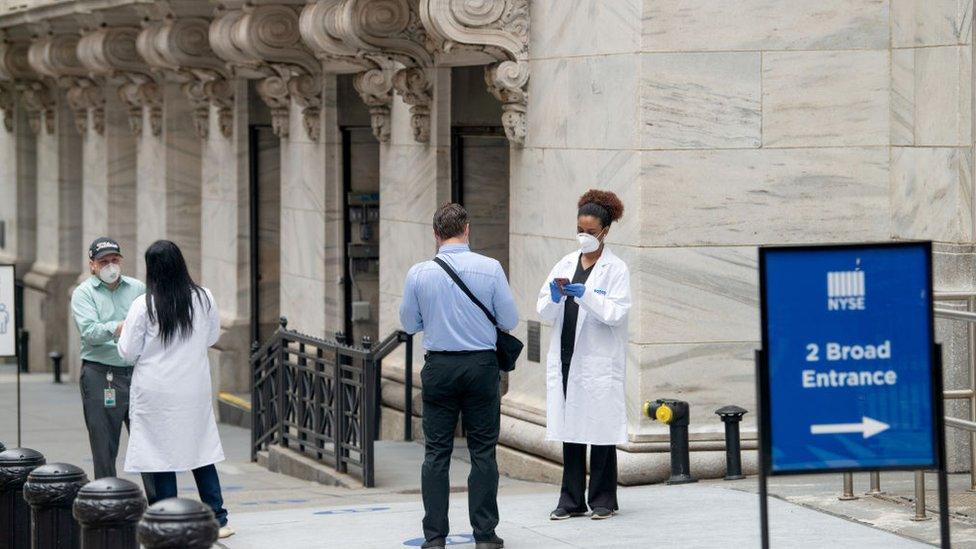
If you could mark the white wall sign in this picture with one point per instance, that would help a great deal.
(8, 328)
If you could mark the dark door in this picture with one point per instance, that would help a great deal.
(265, 210)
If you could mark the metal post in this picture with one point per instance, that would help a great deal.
(24, 350)
(15, 465)
(108, 510)
(50, 491)
(255, 400)
(875, 488)
(971, 346)
(920, 497)
(178, 522)
(848, 494)
(56, 365)
(732, 416)
(408, 388)
(677, 415)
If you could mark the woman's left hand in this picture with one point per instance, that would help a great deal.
(575, 290)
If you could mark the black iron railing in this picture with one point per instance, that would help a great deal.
(322, 399)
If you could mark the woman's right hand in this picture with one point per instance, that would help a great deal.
(554, 292)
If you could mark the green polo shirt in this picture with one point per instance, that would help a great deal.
(98, 311)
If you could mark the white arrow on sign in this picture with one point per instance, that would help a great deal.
(868, 427)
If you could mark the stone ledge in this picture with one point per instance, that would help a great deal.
(289, 462)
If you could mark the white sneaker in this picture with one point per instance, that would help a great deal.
(225, 532)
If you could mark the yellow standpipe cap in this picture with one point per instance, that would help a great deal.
(664, 413)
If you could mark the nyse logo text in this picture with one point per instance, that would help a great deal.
(846, 291)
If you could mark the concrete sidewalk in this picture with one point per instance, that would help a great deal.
(272, 510)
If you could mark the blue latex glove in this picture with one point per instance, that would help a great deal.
(575, 290)
(554, 292)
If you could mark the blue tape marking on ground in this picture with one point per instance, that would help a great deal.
(273, 502)
(453, 539)
(351, 511)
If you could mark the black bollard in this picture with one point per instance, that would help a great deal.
(675, 414)
(56, 365)
(732, 415)
(176, 523)
(108, 510)
(15, 465)
(50, 491)
(2, 447)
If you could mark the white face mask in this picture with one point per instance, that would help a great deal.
(588, 243)
(110, 273)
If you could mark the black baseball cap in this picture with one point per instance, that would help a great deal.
(103, 246)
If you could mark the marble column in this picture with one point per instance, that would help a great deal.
(311, 187)
(108, 196)
(59, 218)
(224, 241)
(169, 180)
(414, 180)
(18, 197)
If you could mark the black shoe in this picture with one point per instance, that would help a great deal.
(493, 543)
(563, 514)
(600, 513)
(433, 544)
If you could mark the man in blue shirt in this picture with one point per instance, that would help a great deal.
(460, 374)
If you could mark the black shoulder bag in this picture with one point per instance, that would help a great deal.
(508, 348)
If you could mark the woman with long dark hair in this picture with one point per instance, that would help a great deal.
(172, 425)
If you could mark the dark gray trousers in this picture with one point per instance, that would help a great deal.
(104, 424)
(465, 383)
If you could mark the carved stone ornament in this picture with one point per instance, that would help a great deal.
(35, 94)
(375, 88)
(7, 105)
(264, 41)
(500, 30)
(111, 52)
(56, 56)
(181, 47)
(391, 32)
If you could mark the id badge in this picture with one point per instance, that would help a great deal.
(110, 398)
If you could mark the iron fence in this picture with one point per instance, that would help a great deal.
(322, 399)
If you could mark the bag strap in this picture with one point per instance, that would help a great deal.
(464, 288)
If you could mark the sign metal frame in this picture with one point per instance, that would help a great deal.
(935, 382)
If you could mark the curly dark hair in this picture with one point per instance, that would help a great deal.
(603, 205)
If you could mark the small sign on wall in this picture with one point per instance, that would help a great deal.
(534, 335)
(8, 328)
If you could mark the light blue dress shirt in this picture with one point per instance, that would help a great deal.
(433, 303)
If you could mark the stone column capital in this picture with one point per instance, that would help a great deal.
(35, 91)
(179, 47)
(111, 53)
(264, 41)
(56, 56)
(496, 29)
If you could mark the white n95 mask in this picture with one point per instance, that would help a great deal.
(588, 243)
(109, 274)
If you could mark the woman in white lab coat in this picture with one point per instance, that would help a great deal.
(587, 298)
(172, 425)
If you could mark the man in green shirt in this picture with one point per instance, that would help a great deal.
(100, 305)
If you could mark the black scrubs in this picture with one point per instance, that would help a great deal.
(603, 459)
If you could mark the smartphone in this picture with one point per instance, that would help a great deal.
(560, 282)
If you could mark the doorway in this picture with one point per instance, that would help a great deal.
(264, 163)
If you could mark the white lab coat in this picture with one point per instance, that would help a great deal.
(171, 420)
(594, 409)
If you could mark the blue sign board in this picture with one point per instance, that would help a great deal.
(849, 379)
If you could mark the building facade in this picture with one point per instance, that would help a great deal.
(296, 149)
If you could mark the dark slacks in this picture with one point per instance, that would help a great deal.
(603, 474)
(160, 486)
(465, 383)
(104, 424)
